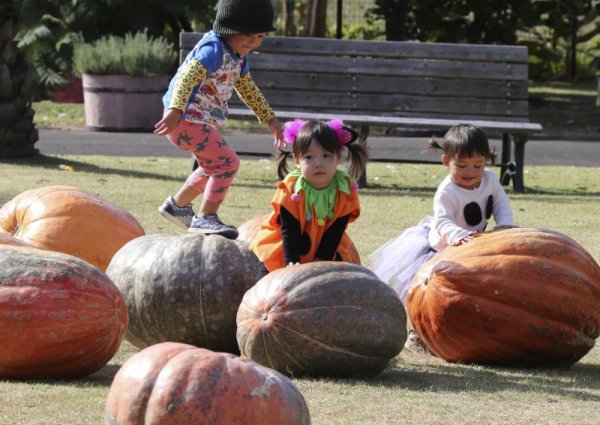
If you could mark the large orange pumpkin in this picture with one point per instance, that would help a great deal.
(323, 318)
(521, 297)
(59, 316)
(69, 220)
(174, 383)
(249, 229)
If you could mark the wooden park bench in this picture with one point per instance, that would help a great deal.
(426, 86)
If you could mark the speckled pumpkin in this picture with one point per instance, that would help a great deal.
(519, 297)
(249, 229)
(59, 316)
(183, 288)
(174, 383)
(323, 318)
(70, 220)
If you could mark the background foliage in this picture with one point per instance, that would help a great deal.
(51, 28)
(563, 36)
(134, 54)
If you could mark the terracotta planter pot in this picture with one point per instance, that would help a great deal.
(123, 102)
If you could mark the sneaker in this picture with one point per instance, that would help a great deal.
(415, 344)
(211, 225)
(181, 216)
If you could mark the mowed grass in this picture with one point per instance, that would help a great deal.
(413, 389)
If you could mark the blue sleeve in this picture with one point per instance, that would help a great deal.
(245, 67)
(209, 52)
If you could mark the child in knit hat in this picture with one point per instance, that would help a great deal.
(196, 110)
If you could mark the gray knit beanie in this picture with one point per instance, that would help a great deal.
(244, 17)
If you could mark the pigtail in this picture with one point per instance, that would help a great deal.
(358, 155)
(282, 157)
(434, 145)
(492, 156)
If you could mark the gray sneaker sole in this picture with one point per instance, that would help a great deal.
(171, 218)
(229, 234)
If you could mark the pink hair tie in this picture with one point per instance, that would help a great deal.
(345, 135)
(291, 129)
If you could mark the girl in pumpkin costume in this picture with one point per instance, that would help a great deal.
(314, 203)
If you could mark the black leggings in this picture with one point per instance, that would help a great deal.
(261, 272)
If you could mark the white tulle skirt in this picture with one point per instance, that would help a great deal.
(398, 260)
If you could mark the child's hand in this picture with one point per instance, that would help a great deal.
(277, 130)
(467, 238)
(168, 123)
(506, 226)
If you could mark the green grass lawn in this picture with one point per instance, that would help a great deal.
(413, 389)
(566, 110)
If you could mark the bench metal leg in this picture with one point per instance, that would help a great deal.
(519, 141)
(505, 153)
(507, 167)
(363, 133)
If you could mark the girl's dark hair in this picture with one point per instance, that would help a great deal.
(318, 130)
(463, 141)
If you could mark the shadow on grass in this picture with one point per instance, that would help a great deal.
(579, 381)
(52, 163)
(551, 195)
(373, 189)
(378, 190)
(100, 378)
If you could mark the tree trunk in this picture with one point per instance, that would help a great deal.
(572, 50)
(17, 132)
(317, 18)
(287, 10)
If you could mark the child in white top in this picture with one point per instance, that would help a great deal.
(462, 205)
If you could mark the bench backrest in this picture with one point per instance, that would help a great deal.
(388, 78)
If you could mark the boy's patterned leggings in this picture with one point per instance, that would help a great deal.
(217, 161)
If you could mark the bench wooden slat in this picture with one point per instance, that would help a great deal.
(394, 104)
(407, 67)
(335, 112)
(398, 50)
(377, 84)
(410, 122)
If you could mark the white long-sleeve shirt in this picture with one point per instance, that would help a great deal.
(449, 224)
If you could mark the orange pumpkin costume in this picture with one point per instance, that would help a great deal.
(268, 243)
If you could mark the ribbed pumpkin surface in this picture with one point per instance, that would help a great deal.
(522, 297)
(69, 220)
(59, 316)
(324, 318)
(173, 383)
(183, 288)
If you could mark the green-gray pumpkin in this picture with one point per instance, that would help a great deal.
(183, 288)
(323, 318)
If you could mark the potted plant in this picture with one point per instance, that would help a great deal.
(124, 79)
